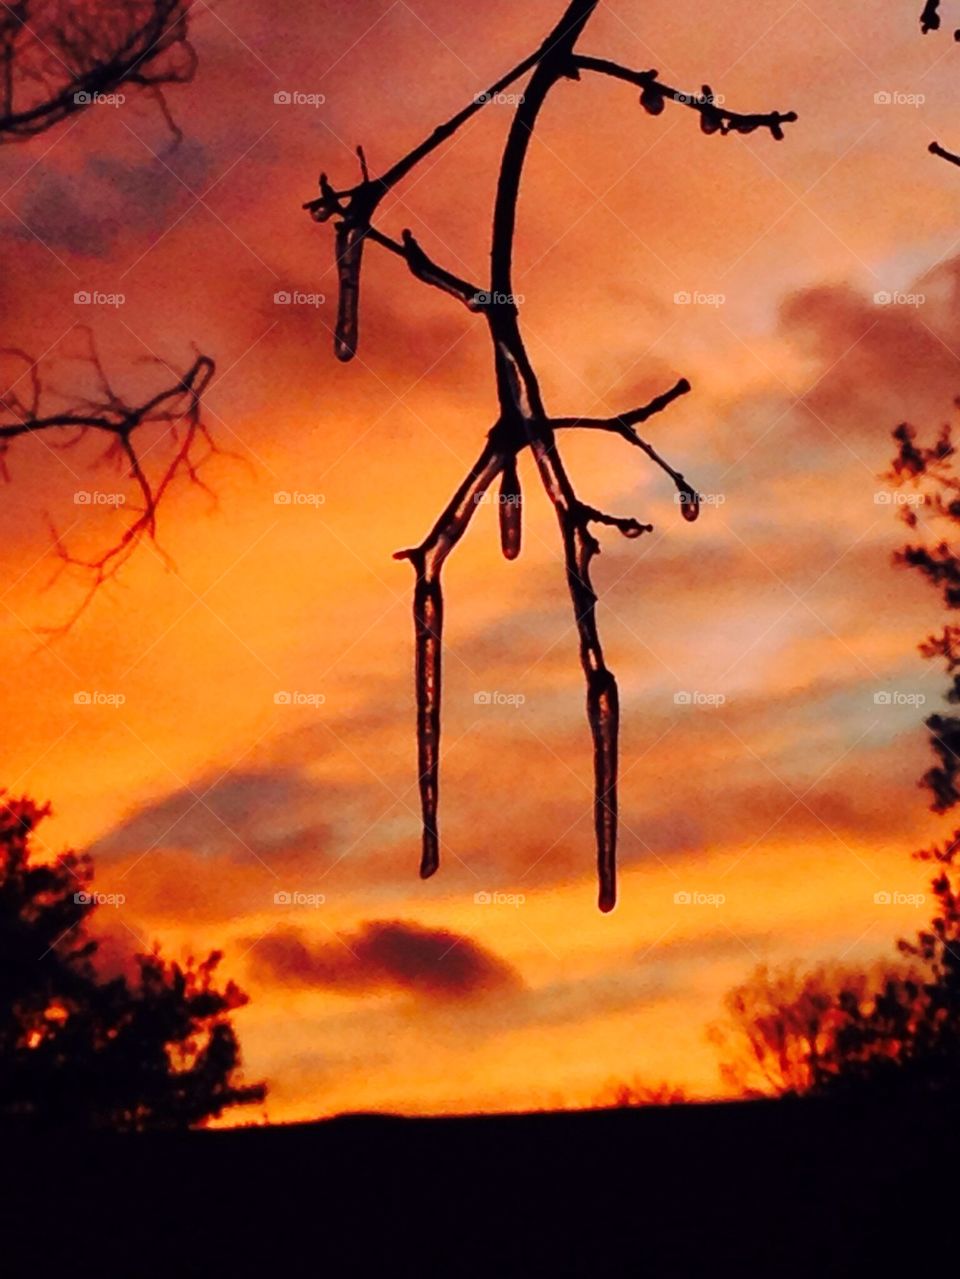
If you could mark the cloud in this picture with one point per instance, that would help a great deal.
(432, 964)
(266, 812)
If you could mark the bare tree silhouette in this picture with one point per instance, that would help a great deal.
(172, 413)
(57, 57)
(523, 421)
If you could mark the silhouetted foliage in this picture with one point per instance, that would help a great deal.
(831, 1031)
(78, 1050)
(626, 1095)
(58, 57)
(523, 420)
(928, 470)
(824, 1031)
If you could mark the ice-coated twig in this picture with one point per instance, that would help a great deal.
(523, 421)
(930, 17)
(936, 149)
(427, 560)
(713, 118)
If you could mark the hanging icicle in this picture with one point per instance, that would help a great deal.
(523, 421)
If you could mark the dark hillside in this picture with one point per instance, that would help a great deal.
(749, 1189)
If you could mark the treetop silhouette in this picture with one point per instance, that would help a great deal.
(78, 1050)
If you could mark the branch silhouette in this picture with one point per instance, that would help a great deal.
(58, 57)
(175, 411)
(523, 421)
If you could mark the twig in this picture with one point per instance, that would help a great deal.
(523, 421)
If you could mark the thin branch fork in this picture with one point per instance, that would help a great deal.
(523, 420)
(175, 410)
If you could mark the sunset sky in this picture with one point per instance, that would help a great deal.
(784, 788)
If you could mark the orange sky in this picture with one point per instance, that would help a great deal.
(201, 798)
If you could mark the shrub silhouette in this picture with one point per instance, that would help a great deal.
(832, 1031)
(80, 1051)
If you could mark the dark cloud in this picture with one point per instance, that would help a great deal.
(136, 199)
(883, 357)
(384, 955)
(54, 211)
(269, 811)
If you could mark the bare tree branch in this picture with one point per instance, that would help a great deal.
(58, 57)
(169, 421)
(930, 17)
(713, 118)
(936, 149)
(523, 420)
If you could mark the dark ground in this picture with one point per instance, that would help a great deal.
(768, 1190)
